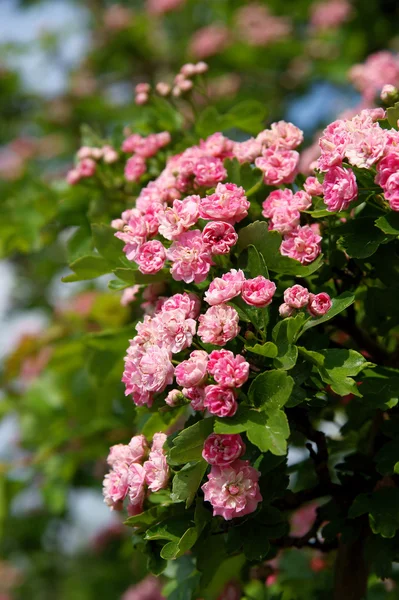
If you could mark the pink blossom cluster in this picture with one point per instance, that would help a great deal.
(258, 27)
(142, 149)
(363, 143)
(147, 589)
(160, 7)
(233, 490)
(282, 207)
(379, 69)
(258, 291)
(297, 297)
(133, 470)
(209, 40)
(330, 14)
(86, 165)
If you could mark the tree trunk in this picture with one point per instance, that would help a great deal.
(351, 571)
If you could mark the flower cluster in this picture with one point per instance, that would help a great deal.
(259, 27)
(87, 157)
(142, 149)
(363, 143)
(378, 70)
(297, 297)
(133, 469)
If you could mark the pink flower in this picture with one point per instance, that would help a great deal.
(258, 291)
(228, 370)
(197, 397)
(191, 372)
(151, 372)
(73, 176)
(218, 325)
(129, 295)
(302, 244)
(115, 486)
(330, 14)
(209, 171)
(136, 480)
(158, 442)
(228, 203)
(233, 491)
(135, 168)
(222, 449)
(285, 310)
(301, 200)
(378, 70)
(175, 221)
(340, 188)
(175, 398)
(151, 257)
(313, 186)
(247, 151)
(209, 40)
(220, 401)
(276, 200)
(278, 165)
(156, 471)
(217, 145)
(189, 303)
(219, 237)
(130, 453)
(387, 167)
(176, 332)
(282, 135)
(87, 167)
(319, 304)
(222, 289)
(150, 587)
(296, 296)
(190, 257)
(285, 219)
(391, 191)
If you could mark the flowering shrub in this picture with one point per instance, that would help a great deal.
(256, 297)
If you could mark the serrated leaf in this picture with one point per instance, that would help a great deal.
(187, 481)
(87, 267)
(188, 445)
(109, 246)
(268, 350)
(271, 390)
(389, 223)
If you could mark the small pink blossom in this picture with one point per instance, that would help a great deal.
(220, 401)
(218, 325)
(190, 257)
(209, 40)
(115, 486)
(136, 480)
(228, 370)
(387, 167)
(278, 165)
(301, 200)
(285, 219)
(177, 219)
(151, 372)
(174, 398)
(191, 372)
(222, 289)
(282, 135)
(135, 168)
(258, 291)
(296, 296)
(329, 15)
(285, 310)
(228, 203)
(87, 167)
(233, 491)
(151, 257)
(313, 186)
(277, 199)
(391, 191)
(176, 332)
(129, 295)
(222, 449)
(209, 171)
(219, 237)
(156, 471)
(189, 303)
(319, 304)
(247, 151)
(73, 176)
(302, 244)
(340, 188)
(217, 145)
(128, 453)
(158, 442)
(197, 397)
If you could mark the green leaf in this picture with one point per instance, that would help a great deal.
(393, 115)
(271, 390)
(110, 247)
(248, 115)
(268, 350)
(188, 445)
(269, 432)
(187, 481)
(337, 367)
(387, 458)
(154, 515)
(284, 334)
(268, 244)
(87, 267)
(256, 263)
(360, 237)
(250, 178)
(380, 392)
(134, 276)
(165, 115)
(382, 508)
(339, 304)
(389, 223)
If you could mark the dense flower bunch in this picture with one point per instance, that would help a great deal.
(379, 69)
(244, 277)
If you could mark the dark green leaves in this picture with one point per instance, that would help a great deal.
(389, 223)
(187, 481)
(188, 445)
(382, 508)
(271, 390)
(247, 116)
(360, 238)
(268, 244)
(87, 267)
(248, 177)
(339, 304)
(393, 115)
(285, 334)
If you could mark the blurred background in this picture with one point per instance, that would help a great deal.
(64, 63)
